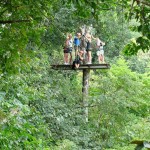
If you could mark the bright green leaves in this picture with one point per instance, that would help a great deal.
(19, 130)
(141, 43)
(120, 100)
(28, 21)
(66, 145)
(144, 43)
(141, 13)
(130, 48)
(22, 26)
(22, 126)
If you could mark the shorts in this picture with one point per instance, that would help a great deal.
(68, 50)
(77, 62)
(88, 48)
(101, 52)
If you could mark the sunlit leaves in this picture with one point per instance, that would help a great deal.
(15, 36)
(141, 43)
(22, 126)
(119, 99)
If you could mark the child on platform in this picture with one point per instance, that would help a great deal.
(78, 60)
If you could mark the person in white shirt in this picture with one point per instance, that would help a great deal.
(68, 50)
(100, 50)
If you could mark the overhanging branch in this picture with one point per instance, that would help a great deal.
(12, 21)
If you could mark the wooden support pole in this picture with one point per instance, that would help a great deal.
(85, 81)
(85, 87)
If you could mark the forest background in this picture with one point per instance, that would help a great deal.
(41, 108)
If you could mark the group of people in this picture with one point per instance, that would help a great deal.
(81, 44)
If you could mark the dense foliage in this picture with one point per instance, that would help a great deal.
(41, 108)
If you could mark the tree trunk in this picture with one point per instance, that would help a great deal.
(86, 75)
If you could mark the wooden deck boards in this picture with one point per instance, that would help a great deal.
(85, 66)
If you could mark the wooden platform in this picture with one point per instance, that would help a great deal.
(143, 143)
(85, 66)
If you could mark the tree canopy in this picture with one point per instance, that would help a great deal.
(41, 108)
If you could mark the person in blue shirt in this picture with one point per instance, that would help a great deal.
(77, 43)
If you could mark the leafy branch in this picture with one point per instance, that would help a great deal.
(13, 21)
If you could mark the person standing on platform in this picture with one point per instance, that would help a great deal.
(77, 43)
(70, 46)
(89, 37)
(68, 50)
(83, 43)
(100, 50)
